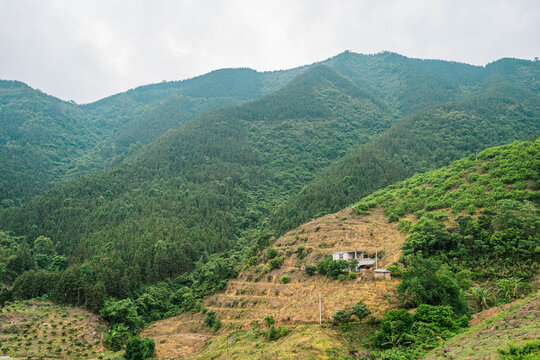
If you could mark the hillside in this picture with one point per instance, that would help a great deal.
(468, 216)
(61, 141)
(515, 324)
(38, 329)
(257, 290)
(197, 190)
(40, 137)
(424, 141)
(45, 141)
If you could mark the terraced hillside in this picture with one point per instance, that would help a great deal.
(516, 324)
(42, 330)
(258, 291)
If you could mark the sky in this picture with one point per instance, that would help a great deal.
(84, 50)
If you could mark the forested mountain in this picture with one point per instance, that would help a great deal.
(195, 177)
(40, 137)
(200, 188)
(103, 133)
(45, 141)
(426, 140)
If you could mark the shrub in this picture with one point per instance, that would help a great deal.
(301, 252)
(395, 270)
(271, 253)
(526, 351)
(139, 349)
(285, 279)
(272, 333)
(342, 317)
(116, 337)
(310, 270)
(269, 320)
(210, 318)
(276, 263)
(341, 277)
(360, 310)
(352, 275)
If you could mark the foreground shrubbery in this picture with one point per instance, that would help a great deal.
(420, 332)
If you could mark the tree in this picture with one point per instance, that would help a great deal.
(43, 245)
(139, 349)
(427, 281)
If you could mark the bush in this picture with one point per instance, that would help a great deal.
(332, 268)
(426, 281)
(116, 337)
(310, 270)
(139, 349)
(342, 317)
(341, 277)
(210, 319)
(526, 351)
(269, 320)
(395, 270)
(271, 253)
(276, 263)
(301, 252)
(272, 334)
(360, 310)
(285, 279)
(352, 275)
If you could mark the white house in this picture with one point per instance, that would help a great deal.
(362, 259)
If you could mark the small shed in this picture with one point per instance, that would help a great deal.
(382, 274)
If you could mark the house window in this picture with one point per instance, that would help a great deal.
(341, 256)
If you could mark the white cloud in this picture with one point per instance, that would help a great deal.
(85, 50)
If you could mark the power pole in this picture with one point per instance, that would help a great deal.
(320, 310)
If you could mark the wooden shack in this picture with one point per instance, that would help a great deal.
(382, 274)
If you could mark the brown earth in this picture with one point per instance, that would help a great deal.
(258, 292)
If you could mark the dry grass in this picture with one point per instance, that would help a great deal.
(257, 291)
(42, 330)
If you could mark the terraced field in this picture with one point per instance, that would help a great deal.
(515, 324)
(42, 330)
(258, 291)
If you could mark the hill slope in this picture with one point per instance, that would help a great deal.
(423, 141)
(516, 324)
(469, 215)
(45, 141)
(40, 137)
(200, 188)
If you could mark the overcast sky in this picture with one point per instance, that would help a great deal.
(86, 50)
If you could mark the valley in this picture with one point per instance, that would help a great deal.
(198, 218)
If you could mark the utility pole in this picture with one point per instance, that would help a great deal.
(320, 310)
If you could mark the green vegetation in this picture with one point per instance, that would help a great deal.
(332, 268)
(425, 140)
(406, 335)
(155, 216)
(139, 349)
(500, 185)
(512, 330)
(528, 351)
(171, 220)
(360, 311)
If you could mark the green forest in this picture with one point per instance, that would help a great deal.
(140, 205)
